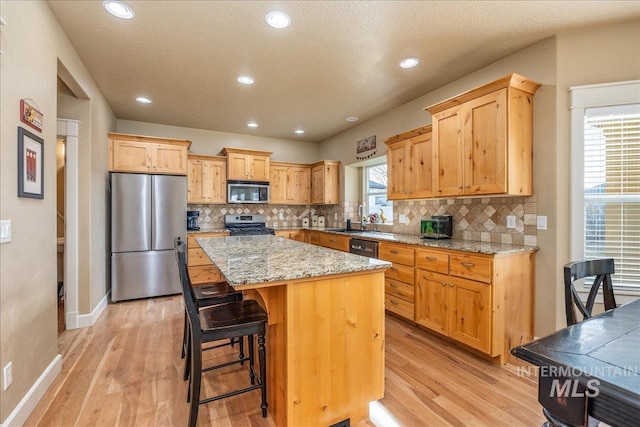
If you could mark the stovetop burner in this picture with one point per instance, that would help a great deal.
(247, 225)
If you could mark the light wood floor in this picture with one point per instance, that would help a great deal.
(126, 370)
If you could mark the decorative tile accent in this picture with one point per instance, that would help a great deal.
(479, 219)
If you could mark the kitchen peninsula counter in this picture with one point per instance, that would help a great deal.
(325, 336)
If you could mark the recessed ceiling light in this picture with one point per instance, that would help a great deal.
(278, 19)
(409, 62)
(246, 80)
(252, 125)
(118, 9)
(352, 119)
(143, 100)
(299, 131)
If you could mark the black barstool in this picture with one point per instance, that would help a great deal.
(225, 321)
(206, 295)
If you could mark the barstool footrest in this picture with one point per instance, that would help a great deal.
(222, 365)
(231, 393)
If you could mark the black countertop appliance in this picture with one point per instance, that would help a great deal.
(192, 220)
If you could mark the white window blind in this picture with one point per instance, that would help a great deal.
(612, 189)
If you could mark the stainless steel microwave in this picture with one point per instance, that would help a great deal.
(247, 192)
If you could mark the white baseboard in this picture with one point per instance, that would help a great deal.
(21, 412)
(73, 320)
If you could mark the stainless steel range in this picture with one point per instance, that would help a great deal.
(247, 225)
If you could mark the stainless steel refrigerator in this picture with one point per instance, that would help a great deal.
(147, 213)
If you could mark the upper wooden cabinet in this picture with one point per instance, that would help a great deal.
(247, 165)
(325, 184)
(206, 179)
(482, 140)
(409, 159)
(290, 183)
(145, 154)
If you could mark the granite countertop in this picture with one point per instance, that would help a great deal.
(259, 259)
(208, 230)
(473, 246)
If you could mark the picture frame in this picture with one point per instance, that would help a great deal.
(30, 165)
(366, 144)
(30, 116)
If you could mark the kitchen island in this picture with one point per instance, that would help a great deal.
(325, 337)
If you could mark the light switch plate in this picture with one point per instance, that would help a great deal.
(542, 222)
(5, 231)
(511, 221)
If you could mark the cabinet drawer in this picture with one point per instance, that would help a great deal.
(400, 272)
(204, 274)
(396, 253)
(196, 256)
(431, 260)
(340, 243)
(191, 238)
(471, 267)
(399, 306)
(399, 289)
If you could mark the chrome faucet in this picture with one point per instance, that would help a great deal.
(363, 225)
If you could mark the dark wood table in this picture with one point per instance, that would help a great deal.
(591, 368)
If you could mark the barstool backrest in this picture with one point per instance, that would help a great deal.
(602, 269)
(187, 290)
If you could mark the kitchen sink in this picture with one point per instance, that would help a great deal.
(342, 230)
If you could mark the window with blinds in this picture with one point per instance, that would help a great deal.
(611, 171)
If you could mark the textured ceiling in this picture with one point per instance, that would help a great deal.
(337, 59)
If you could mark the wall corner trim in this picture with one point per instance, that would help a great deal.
(19, 415)
(86, 320)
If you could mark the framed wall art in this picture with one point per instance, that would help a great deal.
(30, 165)
(30, 115)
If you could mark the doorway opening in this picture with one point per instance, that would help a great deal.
(60, 229)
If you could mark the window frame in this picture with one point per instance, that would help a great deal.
(583, 98)
(365, 188)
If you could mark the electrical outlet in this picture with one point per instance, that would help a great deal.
(335, 216)
(280, 216)
(511, 221)
(402, 218)
(7, 376)
(542, 222)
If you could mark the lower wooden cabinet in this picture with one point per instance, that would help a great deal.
(334, 241)
(482, 301)
(399, 278)
(297, 235)
(201, 269)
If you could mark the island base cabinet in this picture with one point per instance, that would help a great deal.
(325, 348)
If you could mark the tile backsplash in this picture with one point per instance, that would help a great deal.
(480, 219)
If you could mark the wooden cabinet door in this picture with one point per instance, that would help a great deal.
(278, 184)
(238, 166)
(432, 299)
(132, 156)
(447, 147)
(258, 168)
(317, 184)
(299, 185)
(419, 175)
(485, 144)
(169, 159)
(206, 181)
(470, 313)
(397, 164)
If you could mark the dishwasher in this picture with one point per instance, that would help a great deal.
(362, 247)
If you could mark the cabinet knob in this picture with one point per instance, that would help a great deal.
(451, 285)
(460, 187)
(467, 186)
(443, 284)
(393, 268)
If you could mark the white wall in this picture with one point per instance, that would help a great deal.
(209, 142)
(32, 45)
